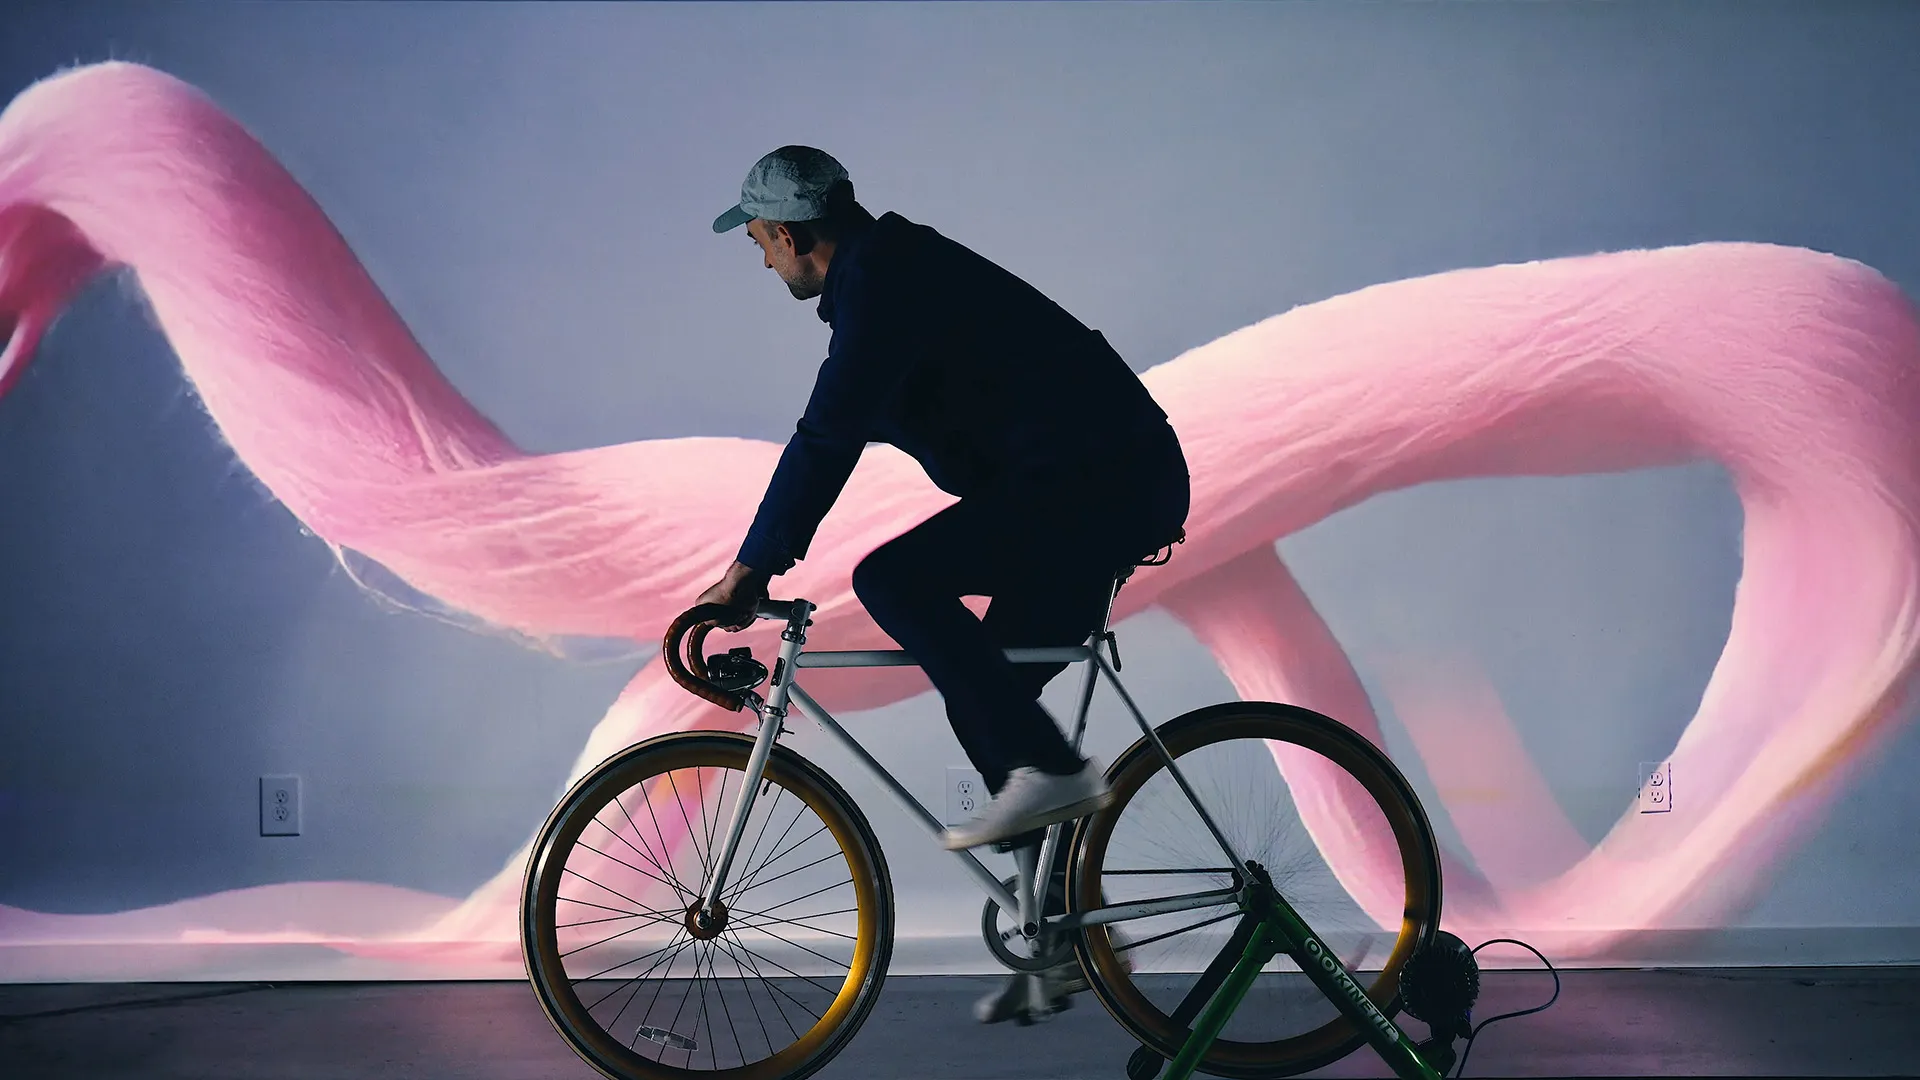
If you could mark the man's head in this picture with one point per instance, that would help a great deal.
(797, 204)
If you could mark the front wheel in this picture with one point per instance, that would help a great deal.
(639, 988)
(1285, 785)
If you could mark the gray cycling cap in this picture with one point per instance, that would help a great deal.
(789, 184)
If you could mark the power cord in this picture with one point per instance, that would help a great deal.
(1481, 1026)
(1440, 984)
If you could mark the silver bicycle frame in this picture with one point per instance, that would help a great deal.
(784, 690)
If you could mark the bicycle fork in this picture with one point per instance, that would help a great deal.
(709, 911)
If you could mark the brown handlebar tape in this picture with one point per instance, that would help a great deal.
(692, 672)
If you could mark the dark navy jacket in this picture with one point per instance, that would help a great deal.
(970, 370)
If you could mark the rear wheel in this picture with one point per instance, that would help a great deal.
(1284, 784)
(642, 990)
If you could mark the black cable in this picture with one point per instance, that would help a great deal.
(1477, 1028)
(134, 1003)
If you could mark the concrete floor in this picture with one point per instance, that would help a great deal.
(1738, 1022)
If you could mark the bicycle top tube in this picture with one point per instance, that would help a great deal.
(784, 610)
(826, 658)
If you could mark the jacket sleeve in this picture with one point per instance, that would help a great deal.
(866, 360)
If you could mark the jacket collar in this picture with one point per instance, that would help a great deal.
(846, 252)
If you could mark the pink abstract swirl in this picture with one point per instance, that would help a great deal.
(1794, 369)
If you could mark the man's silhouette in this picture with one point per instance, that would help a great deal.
(1065, 467)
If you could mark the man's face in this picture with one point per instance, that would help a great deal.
(802, 279)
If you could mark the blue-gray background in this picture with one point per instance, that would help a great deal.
(532, 187)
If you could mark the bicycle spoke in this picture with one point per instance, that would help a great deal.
(648, 852)
(810, 926)
(797, 945)
(1172, 933)
(797, 899)
(617, 966)
(703, 1013)
(750, 881)
(692, 836)
(797, 869)
(660, 832)
(650, 968)
(754, 970)
(622, 862)
(602, 907)
(713, 855)
(745, 881)
(616, 834)
(724, 1010)
(673, 1025)
(772, 990)
(746, 987)
(719, 994)
(788, 970)
(661, 984)
(592, 922)
(782, 967)
(600, 886)
(616, 937)
(635, 981)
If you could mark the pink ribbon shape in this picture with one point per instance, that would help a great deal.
(1793, 369)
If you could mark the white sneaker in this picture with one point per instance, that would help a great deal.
(1030, 800)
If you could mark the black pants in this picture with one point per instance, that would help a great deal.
(1046, 546)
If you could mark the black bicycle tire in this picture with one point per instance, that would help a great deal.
(1179, 731)
(783, 761)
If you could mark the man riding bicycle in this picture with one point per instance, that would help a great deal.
(1065, 468)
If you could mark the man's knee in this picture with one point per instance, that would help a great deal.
(881, 577)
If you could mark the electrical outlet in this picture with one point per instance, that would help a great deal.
(279, 806)
(966, 795)
(1656, 787)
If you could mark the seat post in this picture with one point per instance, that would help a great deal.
(1093, 642)
(1113, 599)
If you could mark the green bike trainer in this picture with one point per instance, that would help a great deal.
(1278, 924)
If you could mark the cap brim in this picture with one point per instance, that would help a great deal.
(731, 220)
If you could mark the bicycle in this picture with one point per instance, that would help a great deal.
(708, 910)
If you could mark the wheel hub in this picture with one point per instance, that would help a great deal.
(703, 926)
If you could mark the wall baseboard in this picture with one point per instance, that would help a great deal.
(965, 954)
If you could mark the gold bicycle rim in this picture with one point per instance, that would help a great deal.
(1412, 832)
(632, 768)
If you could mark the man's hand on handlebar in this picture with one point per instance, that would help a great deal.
(740, 589)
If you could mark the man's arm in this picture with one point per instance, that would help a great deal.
(866, 360)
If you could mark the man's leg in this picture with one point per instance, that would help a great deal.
(1061, 611)
(1004, 547)
(1066, 610)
